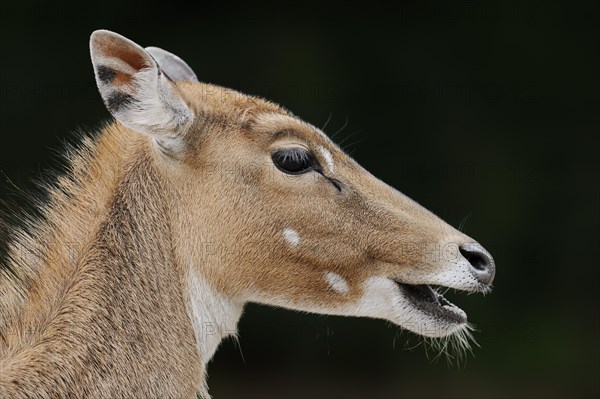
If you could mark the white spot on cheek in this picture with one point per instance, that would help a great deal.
(328, 158)
(336, 282)
(291, 236)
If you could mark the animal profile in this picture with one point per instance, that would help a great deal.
(192, 202)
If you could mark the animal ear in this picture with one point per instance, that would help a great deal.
(175, 68)
(136, 92)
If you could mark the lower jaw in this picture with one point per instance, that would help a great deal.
(434, 305)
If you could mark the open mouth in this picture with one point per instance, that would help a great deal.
(429, 301)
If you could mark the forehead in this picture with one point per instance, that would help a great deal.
(287, 125)
(233, 109)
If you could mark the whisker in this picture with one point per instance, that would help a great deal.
(327, 121)
(354, 143)
(454, 347)
(342, 128)
(349, 136)
(462, 222)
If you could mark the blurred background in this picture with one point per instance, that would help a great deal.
(484, 112)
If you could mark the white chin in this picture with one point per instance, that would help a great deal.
(422, 310)
(417, 308)
(428, 325)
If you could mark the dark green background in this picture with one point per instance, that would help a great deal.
(485, 113)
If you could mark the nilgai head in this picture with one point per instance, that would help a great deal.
(266, 208)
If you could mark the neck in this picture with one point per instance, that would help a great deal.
(214, 315)
(106, 292)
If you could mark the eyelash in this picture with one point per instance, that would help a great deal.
(294, 161)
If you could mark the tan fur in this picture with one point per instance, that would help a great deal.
(105, 291)
(101, 305)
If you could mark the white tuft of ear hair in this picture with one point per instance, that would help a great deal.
(136, 92)
(175, 68)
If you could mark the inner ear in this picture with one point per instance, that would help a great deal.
(127, 54)
(119, 62)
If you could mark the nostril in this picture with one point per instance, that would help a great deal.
(477, 259)
(481, 262)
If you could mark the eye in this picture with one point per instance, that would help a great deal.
(293, 161)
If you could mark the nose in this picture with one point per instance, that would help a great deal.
(482, 263)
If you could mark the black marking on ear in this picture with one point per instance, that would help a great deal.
(118, 100)
(106, 74)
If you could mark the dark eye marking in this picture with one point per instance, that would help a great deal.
(294, 161)
(336, 183)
